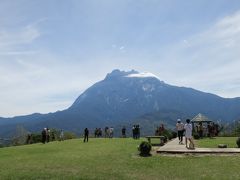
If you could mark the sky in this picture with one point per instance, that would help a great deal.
(51, 51)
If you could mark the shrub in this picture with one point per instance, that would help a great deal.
(196, 136)
(174, 134)
(1, 145)
(36, 137)
(163, 142)
(238, 142)
(165, 139)
(167, 134)
(145, 148)
(69, 135)
(19, 137)
(170, 136)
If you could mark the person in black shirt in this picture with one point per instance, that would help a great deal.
(123, 132)
(44, 135)
(86, 132)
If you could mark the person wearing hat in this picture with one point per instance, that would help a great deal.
(180, 130)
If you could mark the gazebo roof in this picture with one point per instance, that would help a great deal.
(201, 118)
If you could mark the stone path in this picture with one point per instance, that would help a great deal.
(175, 148)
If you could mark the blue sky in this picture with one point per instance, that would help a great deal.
(53, 50)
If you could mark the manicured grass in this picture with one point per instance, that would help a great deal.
(108, 159)
(213, 142)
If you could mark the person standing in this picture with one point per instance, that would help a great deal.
(208, 129)
(44, 134)
(48, 135)
(29, 138)
(200, 130)
(137, 131)
(100, 132)
(180, 129)
(123, 132)
(106, 132)
(188, 134)
(61, 137)
(53, 135)
(111, 130)
(161, 130)
(86, 132)
(134, 131)
(96, 132)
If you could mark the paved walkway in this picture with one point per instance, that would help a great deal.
(175, 148)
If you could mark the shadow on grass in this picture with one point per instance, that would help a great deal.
(145, 155)
(157, 144)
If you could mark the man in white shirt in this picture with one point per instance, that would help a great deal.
(188, 134)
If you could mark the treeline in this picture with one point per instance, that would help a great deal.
(231, 129)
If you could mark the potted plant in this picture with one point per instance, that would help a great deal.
(145, 148)
(238, 142)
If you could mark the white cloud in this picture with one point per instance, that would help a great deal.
(14, 40)
(208, 61)
(186, 42)
(24, 35)
(44, 80)
(10, 53)
(122, 47)
(41, 83)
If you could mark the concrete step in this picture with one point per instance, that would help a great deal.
(175, 148)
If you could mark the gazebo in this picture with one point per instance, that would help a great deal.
(198, 121)
(201, 118)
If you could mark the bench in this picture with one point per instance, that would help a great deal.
(161, 138)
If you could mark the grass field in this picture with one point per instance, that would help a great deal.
(213, 143)
(108, 159)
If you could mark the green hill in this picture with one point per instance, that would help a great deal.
(108, 159)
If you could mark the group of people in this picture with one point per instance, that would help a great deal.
(136, 131)
(45, 135)
(98, 132)
(213, 129)
(187, 128)
(109, 132)
(159, 130)
(182, 129)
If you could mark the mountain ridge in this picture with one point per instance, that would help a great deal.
(122, 97)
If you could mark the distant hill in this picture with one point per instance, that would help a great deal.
(124, 98)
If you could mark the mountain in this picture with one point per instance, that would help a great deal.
(124, 98)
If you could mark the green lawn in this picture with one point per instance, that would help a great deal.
(213, 143)
(108, 159)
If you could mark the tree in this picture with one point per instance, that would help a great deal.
(237, 128)
(20, 135)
